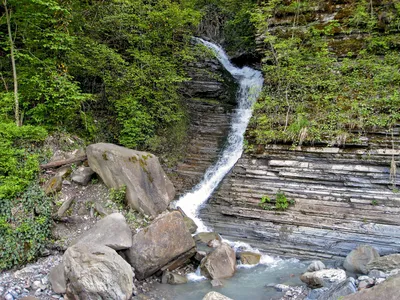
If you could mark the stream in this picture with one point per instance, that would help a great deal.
(249, 281)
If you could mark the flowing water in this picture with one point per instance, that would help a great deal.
(250, 83)
(249, 281)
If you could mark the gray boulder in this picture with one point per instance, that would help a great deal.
(219, 264)
(356, 261)
(335, 292)
(82, 175)
(157, 245)
(97, 272)
(385, 263)
(148, 188)
(112, 231)
(316, 265)
(57, 279)
(323, 278)
(215, 296)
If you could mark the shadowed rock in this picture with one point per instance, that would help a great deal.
(155, 246)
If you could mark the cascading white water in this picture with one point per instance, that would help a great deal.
(250, 83)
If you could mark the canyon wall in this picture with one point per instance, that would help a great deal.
(343, 197)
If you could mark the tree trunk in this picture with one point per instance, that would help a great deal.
(14, 69)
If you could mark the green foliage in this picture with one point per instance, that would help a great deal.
(229, 20)
(118, 196)
(281, 202)
(25, 223)
(18, 167)
(374, 202)
(318, 89)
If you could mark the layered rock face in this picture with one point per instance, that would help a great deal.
(344, 197)
(210, 99)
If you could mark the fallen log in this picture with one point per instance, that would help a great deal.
(59, 163)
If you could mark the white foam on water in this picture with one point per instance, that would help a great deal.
(196, 276)
(250, 83)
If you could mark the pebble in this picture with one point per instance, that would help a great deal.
(9, 297)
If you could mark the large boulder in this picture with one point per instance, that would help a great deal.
(112, 231)
(221, 263)
(97, 272)
(148, 188)
(157, 245)
(215, 296)
(356, 261)
(387, 290)
(385, 263)
(323, 278)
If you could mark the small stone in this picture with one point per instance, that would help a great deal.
(38, 292)
(316, 265)
(36, 285)
(367, 283)
(281, 287)
(66, 182)
(8, 297)
(377, 274)
(361, 278)
(379, 280)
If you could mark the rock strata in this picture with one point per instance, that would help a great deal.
(343, 198)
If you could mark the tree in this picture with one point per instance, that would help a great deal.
(14, 69)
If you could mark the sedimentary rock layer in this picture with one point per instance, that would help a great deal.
(344, 197)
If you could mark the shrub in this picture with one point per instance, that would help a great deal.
(25, 226)
(281, 202)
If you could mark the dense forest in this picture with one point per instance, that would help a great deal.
(112, 71)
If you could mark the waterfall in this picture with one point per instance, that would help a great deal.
(250, 83)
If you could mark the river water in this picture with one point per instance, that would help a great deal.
(249, 281)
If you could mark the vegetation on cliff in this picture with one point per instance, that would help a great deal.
(331, 71)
